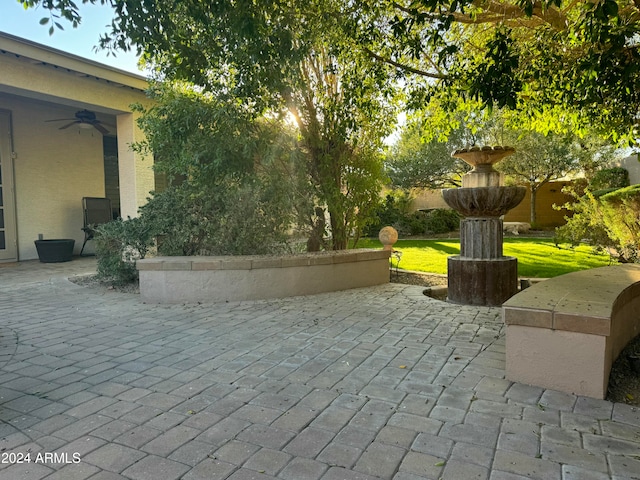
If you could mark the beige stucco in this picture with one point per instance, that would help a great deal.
(55, 168)
(566, 361)
(52, 174)
(632, 164)
(136, 171)
(548, 195)
(239, 278)
(566, 332)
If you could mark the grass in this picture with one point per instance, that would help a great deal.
(537, 257)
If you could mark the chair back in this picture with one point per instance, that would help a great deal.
(96, 211)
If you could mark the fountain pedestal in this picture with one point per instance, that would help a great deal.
(481, 282)
(481, 275)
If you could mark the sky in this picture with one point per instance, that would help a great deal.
(15, 20)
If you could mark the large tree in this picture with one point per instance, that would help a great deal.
(274, 57)
(538, 160)
(417, 160)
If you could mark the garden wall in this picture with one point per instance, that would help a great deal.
(239, 278)
(548, 195)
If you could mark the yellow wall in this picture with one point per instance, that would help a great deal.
(54, 169)
(546, 216)
(65, 86)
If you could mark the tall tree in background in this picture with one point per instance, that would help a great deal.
(538, 160)
(415, 162)
(543, 158)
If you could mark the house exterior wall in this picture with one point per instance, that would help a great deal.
(52, 173)
(55, 168)
(38, 72)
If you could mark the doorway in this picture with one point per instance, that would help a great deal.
(111, 174)
(8, 238)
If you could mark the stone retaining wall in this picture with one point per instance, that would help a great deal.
(238, 278)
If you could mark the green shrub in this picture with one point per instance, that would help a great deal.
(415, 223)
(118, 245)
(621, 217)
(609, 220)
(442, 220)
(616, 177)
(394, 212)
(585, 225)
(251, 217)
(604, 191)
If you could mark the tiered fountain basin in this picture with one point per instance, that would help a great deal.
(483, 201)
(481, 275)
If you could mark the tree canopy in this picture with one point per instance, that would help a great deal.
(562, 64)
(414, 162)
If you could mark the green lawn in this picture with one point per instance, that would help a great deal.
(537, 257)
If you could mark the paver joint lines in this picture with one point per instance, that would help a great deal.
(376, 383)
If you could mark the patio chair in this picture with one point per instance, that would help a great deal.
(96, 212)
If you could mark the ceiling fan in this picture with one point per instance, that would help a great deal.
(84, 119)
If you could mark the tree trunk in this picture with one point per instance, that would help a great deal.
(532, 211)
(339, 234)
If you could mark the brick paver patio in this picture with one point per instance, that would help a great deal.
(375, 383)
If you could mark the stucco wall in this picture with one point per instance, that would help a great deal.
(20, 75)
(52, 173)
(633, 167)
(136, 171)
(548, 195)
(257, 277)
(55, 168)
(427, 199)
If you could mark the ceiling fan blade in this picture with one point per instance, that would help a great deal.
(68, 125)
(60, 119)
(100, 128)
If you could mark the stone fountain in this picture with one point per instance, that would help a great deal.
(481, 275)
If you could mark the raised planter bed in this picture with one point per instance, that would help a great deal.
(566, 332)
(238, 278)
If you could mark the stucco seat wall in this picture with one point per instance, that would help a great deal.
(239, 278)
(566, 332)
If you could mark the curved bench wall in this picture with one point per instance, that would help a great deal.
(239, 278)
(566, 332)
